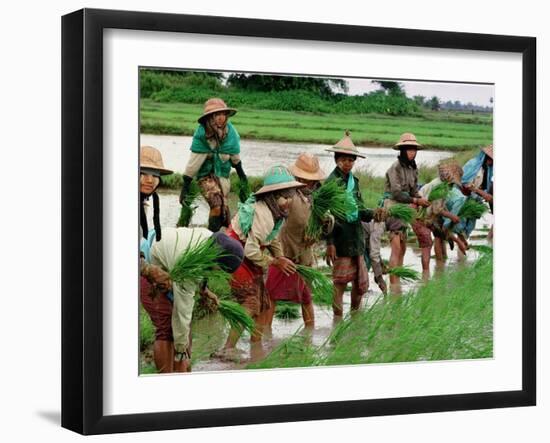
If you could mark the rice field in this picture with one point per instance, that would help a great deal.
(448, 318)
(441, 130)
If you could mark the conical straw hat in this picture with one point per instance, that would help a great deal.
(213, 105)
(346, 146)
(276, 178)
(488, 150)
(408, 139)
(307, 167)
(151, 158)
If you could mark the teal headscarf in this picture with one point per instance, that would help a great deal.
(231, 144)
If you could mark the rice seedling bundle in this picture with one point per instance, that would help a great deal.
(243, 190)
(195, 263)
(187, 207)
(402, 212)
(440, 191)
(236, 316)
(319, 283)
(405, 273)
(472, 209)
(287, 310)
(329, 197)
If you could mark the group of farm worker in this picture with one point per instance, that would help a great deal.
(266, 238)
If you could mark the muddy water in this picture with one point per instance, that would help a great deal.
(211, 333)
(324, 320)
(257, 155)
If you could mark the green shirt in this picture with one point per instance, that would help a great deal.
(348, 237)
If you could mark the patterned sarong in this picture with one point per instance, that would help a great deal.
(351, 269)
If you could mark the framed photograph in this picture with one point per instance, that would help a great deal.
(184, 136)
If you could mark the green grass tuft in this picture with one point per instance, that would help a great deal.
(195, 263)
(319, 283)
(405, 273)
(287, 310)
(472, 209)
(402, 212)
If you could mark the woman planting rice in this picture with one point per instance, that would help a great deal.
(256, 225)
(346, 243)
(296, 245)
(214, 150)
(170, 305)
(478, 179)
(440, 190)
(173, 322)
(402, 187)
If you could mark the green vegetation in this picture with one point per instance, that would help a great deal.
(236, 316)
(319, 283)
(405, 273)
(195, 263)
(450, 317)
(402, 212)
(440, 131)
(187, 207)
(146, 329)
(331, 196)
(281, 93)
(441, 191)
(472, 209)
(287, 310)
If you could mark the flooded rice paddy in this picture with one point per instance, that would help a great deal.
(210, 333)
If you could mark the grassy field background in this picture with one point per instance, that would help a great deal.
(436, 130)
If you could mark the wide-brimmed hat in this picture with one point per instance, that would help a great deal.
(488, 150)
(276, 178)
(307, 167)
(450, 171)
(408, 139)
(215, 105)
(150, 158)
(345, 146)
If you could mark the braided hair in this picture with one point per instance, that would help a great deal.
(156, 214)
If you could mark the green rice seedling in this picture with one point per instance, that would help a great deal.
(195, 263)
(440, 191)
(147, 368)
(329, 197)
(146, 329)
(483, 249)
(319, 283)
(187, 207)
(236, 316)
(402, 212)
(244, 190)
(287, 310)
(450, 317)
(295, 351)
(472, 209)
(405, 273)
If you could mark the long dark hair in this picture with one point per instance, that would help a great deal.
(404, 160)
(156, 213)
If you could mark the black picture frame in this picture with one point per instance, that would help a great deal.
(82, 231)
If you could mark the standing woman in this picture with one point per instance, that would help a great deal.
(296, 245)
(214, 150)
(402, 187)
(346, 243)
(151, 168)
(257, 225)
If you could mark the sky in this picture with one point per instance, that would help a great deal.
(464, 92)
